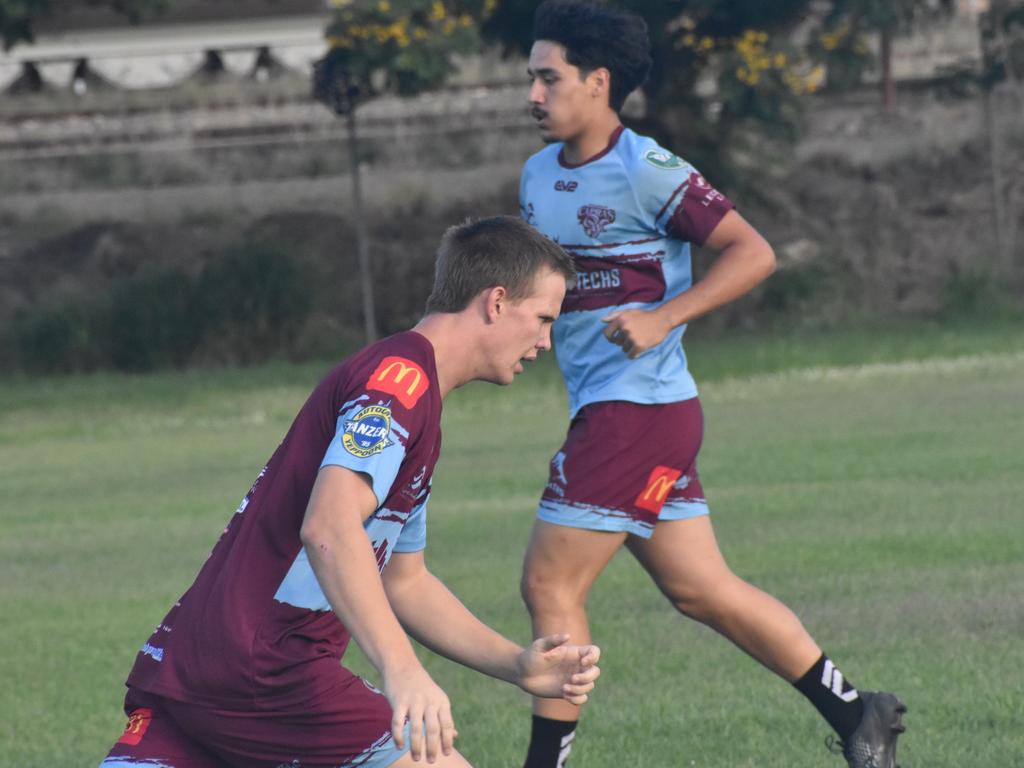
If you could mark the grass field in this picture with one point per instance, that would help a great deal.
(873, 481)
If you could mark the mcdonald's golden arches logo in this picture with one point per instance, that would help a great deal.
(652, 497)
(400, 377)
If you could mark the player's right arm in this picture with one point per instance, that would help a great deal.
(681, 204)
(744, 259)
(345, 565)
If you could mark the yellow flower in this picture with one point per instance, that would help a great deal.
(689, 40)
(780, 60)
(437, 11)
(815, 78)
(384, 6)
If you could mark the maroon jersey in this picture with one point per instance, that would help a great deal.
(255, 629)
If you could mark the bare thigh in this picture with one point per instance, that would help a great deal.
(685, 562)
(683, 559)
(561, 565)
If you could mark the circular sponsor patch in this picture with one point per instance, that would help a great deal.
(659, 158)
(367, 432)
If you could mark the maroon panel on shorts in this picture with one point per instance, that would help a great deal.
(152, 737)
(625, 464)
(328, 732)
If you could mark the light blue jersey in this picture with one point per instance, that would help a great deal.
(627, 217)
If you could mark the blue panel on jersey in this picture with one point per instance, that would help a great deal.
(367, 439)
(300, 586)
(414, 535)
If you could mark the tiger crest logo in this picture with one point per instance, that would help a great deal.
(594, 219)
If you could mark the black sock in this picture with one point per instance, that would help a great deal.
(550, 742)
(836, 700)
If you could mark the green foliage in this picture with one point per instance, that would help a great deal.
(744, 46)
(1002, 42)
(394, 46)
(53, 340)
(151, 322)
(877, 15)
(843, 52)
(252, 303)
(840, 42)
(747, 48)
(18, 18)
(247, 307)
(976, 295)
(789, 290)
(764, 80)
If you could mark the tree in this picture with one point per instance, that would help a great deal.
(1002, 48)
(847, 21)
(402, 47)
(19, 18)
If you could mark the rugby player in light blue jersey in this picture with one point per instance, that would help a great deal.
(628, 211)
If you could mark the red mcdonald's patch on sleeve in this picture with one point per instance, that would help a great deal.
(138, 722)
(400, 377)
(652, 497)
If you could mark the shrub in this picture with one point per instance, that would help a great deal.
(253, 303)
(150, 322)
(53, 340)
(972, 295)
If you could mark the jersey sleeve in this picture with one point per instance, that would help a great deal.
(677, 198)
(380, 422)
(369, 439)
(413, 537)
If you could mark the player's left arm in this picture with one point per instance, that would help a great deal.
(744, 259)
(550, 667)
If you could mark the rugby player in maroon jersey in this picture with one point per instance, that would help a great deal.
(328, 545)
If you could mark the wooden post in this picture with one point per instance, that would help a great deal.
(888, 83)
(362, 236)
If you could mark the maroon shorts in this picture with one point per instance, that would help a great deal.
(624, 466)
(348, 727)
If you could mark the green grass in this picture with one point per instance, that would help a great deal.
(881, 502)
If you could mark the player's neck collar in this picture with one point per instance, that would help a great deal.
(612, 141)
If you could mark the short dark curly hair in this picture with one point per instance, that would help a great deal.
(594, 36)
